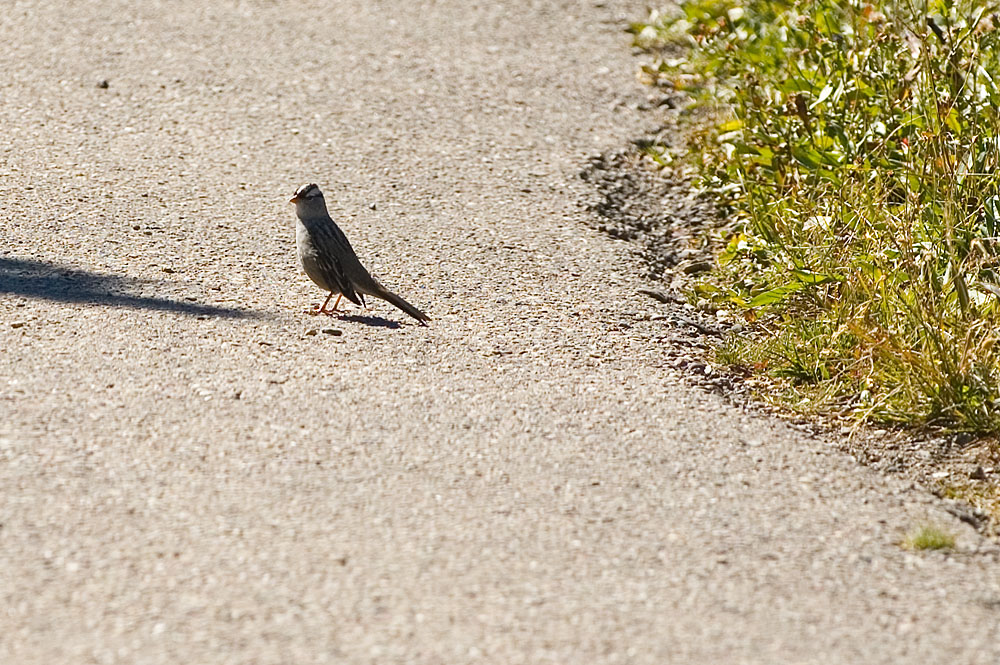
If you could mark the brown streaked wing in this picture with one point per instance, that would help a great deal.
(331, 244)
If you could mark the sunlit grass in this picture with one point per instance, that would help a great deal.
(856, 148)
(929, 537)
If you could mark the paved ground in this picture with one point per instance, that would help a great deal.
(188, 475)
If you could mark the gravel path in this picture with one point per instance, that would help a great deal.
(194, 471)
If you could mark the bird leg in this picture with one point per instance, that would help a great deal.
(335, 310)
(322, 309)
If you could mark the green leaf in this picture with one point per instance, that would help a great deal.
(775, 295)
(823, 95)
(730, 126)
(807, 157)
(810, 277)
(953, 120)
(733, 248)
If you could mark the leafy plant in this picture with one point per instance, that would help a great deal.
(858, 152)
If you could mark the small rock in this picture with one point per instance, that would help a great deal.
(333, 331)
(310, 333)
(705, 305)
(662, 296)
(964, 438)
(18, 324)
(103, 84)
(696, 267)
(978, 473)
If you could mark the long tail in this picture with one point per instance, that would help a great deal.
(390, 297)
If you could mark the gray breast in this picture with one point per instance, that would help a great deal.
(309, 257)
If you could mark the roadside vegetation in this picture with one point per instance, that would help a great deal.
(929, 537)
(853, 147)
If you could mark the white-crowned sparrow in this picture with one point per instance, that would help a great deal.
(330, 261)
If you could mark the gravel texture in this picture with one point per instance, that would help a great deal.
(662, 215)
(193, 470)
(678, 232)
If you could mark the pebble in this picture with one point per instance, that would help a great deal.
(722, 383)
(696, 267)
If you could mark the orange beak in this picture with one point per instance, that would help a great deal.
(294, 199)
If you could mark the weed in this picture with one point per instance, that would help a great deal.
(929, 537)
(858, 153)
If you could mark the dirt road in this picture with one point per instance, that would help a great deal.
(194, 471)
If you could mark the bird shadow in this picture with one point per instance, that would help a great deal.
(48, 281)
(373, 321)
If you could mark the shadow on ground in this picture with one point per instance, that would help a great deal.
(373, 321)
(36, 279)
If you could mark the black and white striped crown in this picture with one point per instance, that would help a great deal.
(310, 191)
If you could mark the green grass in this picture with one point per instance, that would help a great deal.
(856, 153)
(929, 537)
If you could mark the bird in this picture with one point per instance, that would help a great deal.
(329, 260)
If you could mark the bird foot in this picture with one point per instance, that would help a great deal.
(316, 311)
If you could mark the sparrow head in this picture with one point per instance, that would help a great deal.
(310, 191)
(309, 200)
